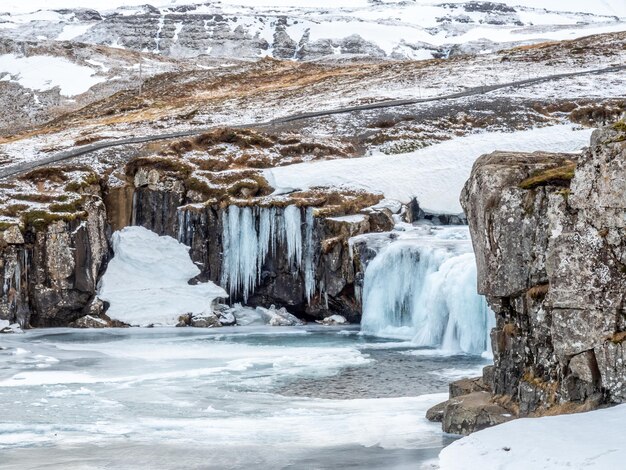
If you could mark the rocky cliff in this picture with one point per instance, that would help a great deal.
(56, 224)
(548, 231)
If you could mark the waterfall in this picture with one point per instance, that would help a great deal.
(424, 290)
(250, 234)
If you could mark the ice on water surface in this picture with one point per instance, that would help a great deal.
(135, 398)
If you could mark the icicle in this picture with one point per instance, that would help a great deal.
(266, 234)
(17, 276)
(248, 252)
(180, 215)
(235, 248)
(274, 233)
(293, 235)
(226, 266)
(249, 235)
(309, 255)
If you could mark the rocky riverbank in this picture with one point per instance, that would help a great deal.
(548, 232)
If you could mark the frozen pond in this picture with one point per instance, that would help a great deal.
(243, 397)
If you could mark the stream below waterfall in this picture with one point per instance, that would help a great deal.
(308, 397)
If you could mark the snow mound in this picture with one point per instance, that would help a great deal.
(146, 282)
(593, 440)
(72, 79)
(272, 316)
(7, 327)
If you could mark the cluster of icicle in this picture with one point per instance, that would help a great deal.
(13, 274)
(426, 294)
(250, 234)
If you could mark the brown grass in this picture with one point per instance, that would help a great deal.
(160, 163)
(43, 174)
(560, 176)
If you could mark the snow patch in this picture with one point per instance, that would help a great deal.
(593, 440)
(72, 79)
(434, 175)
(146, 282)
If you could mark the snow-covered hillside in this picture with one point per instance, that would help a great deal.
(296, 30)
(434, 175)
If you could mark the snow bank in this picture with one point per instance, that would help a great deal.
(7, 327)
(435, 175)
(46, 72)
(146, 282)
(589, 441)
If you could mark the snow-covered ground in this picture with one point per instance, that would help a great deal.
(585, 441)
(146, 282)
(434, 175)
(600, 7)
(46, 72)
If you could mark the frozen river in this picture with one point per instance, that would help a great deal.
(241, 397)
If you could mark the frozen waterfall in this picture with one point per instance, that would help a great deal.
(250, 234)
(422, 288)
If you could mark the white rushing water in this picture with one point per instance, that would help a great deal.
(422, 288)
(250, 234)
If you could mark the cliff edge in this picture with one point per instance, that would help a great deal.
(549, 232)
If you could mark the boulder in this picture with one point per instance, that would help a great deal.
(205, 320)
(9, 328)
(469, 413)
(467, 386)
(89, 321)
(279, 317)
(435, 413)
(334, 320)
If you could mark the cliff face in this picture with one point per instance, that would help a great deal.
(164, 204)
(50, 271)
(548, 232)
(53, 255)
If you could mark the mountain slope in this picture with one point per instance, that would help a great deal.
(293, 30)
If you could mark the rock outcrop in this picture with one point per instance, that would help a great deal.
(548, 232)
(55, 244)
(51, 270)
(169, 205)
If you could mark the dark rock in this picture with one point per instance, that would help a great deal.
(467, 386)
(470, 413)
(90, 322)
(435, 413)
